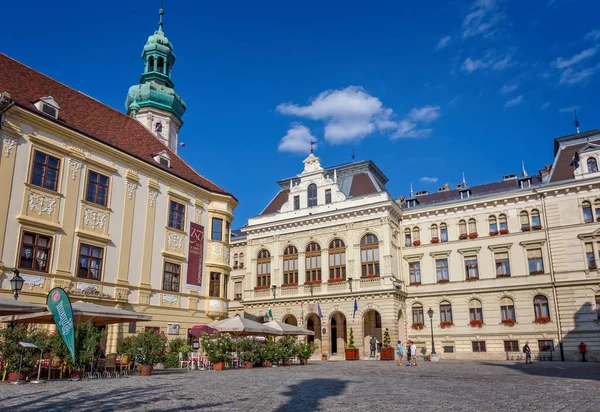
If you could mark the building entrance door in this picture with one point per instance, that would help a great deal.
(333, 336)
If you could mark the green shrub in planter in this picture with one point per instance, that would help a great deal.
(12, 351)
(287, 348)
(305, 350)
(87, 340)
(153, 347)
(218, 348)
(127, 346)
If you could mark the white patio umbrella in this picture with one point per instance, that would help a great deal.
(239, 326)
(14, 307)
(86, 312)
(287, 329)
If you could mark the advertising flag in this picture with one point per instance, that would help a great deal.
(59, 306)
(355, 308)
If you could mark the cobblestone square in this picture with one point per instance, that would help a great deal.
(331, 385)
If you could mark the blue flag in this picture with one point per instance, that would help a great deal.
(319, 310)
(355, 308)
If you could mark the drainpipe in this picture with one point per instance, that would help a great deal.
(552, 276)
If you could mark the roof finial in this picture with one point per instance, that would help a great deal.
(161, 12)
(464, 182)
(312, 143)
(523, 171)
(576, 122)
(352, 154)
(412, 194)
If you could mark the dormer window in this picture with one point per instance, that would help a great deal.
(525, 183)
(465, 194)
(411, 203)
(163, 158)
(592, 165)
(48, 106)
(312, 195)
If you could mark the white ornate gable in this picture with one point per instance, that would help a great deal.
(312, 164)
(589, 156)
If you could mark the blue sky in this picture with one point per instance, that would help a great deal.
(427, 90)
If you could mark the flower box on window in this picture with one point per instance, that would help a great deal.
(237, 298)
(494, 233)
(443, 281)
(476, 323)
(416, 243)
(435, 240)
(463, 236)
(289, 285)
(313, 282)
(542, 320)
(262, 287)
(536, 272)
(446, 324)
(472, 278)
(509, 322)
(536, 227)
(415, 283)
(526, 228)
(473, 235)
(592, 267)
(371, 276)
(335, 280)
(417, 326)
(504, 231)
(505, 275)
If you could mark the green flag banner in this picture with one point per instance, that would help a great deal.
(60, 306)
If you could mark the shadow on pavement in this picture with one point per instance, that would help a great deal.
(306, 395)
(567, 370)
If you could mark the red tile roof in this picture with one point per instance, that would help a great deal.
(277, 202)
(96, 120)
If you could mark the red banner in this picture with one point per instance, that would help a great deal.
(196, 255)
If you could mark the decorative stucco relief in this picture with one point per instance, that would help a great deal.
(94, 218)
(174, 240)
(41, 203)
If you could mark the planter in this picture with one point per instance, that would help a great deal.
(435, 240)
(287, 363)
(267, 364)
(352, 354)
(504, 231)
(473, 235)
(75, 375)
(493, 233)
(443, 281)
(476, 323)
(14, 376)
(248, 365)
(323, 356)
(526, 228)
(509, 322)
(536, 227)
(445, 325)
(146, 370)
(218, 366)
(463, 236)
(303, 361)
(472, 278)
(542, 320)
(417, 243)
(387, 353)
(417, 326)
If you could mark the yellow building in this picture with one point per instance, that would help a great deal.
(99, 203)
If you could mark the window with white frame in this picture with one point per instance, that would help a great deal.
(475, 310)
(535, 261)
(471, 267)
(441, 268)
(502, 264)
(434, 233)
(414, 269)
(407, 237)
(590, 256)
(592, 165)
(493, 225)
(443, 232)
(588, 216)
(503, 224)
(525, 225)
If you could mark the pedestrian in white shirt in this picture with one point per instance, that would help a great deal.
(413, 354)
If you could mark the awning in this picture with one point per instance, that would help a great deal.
(287, 329)
(243, 327)
(11, 306)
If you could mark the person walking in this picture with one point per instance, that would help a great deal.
(527, 353)
(408, 353)
(582, 350)
(399, 352)
(413, 353)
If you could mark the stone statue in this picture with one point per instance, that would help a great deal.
(373, 343)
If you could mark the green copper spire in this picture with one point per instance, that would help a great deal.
(156, 87)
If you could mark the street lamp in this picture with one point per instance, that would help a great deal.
(16, 283)
(430, 313)
(274, 288)
(350, 284)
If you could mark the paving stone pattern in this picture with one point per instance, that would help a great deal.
(329, 385)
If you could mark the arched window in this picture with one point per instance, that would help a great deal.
(536, 222)
(503, 224)
(241, 261)
(507, 309)
(417, 314)
(472, 226)
(290, 265)
(443, 232)
(235, 261)
(312, 195)
(416, 236)
(407, 237)
(462, 228)
(588, 217)
(540, 306)
(592, 165)
(475, 310)
(435, 236)
(161, 65)
(263, 268)
(493, 225)
(337, 259)
(313, 262)
(151, 64)
(369, 255)
(445, 312)
(525, 226)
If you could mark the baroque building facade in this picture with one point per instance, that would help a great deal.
(99, 202)
(500, 264)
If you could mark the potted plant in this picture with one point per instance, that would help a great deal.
(476, 323)
(176, 346)
(14, 354)
(446, 324)
(493, 233)
(218, 348)
(271, 353)
(435, 240)
(305, 351)
(386, 351)
(542, 319)
(536, 227)
(351, 351)
(246, 350)
(463, 236)
(473, 235)
(152, 347)
(504, 231)
(526, 228)
(417, 243)
(443, 281)
(508, 322)
(287, 349)
(417, 326)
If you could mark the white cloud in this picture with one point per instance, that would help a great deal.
(571, 76)
(513, 102)
(409, 129)
(497, 62)
(470, 65)
(594, 35)
(349, 114)
(569, 109)
(508, 88)
(426, 179)
(483, 19)
(297, 139)
(561, 63)
(409, 126)
(444, 41)
(503, 64)
(424, 114)
(545, 106)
